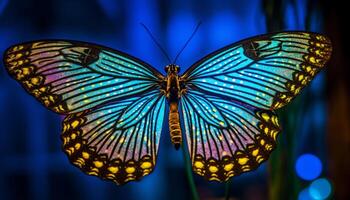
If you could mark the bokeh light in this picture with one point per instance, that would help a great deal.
(305, 195)
(320, 189)
(308, 167)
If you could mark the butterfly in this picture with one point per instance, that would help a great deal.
(115, 105)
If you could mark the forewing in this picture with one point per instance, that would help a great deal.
(69, 76)
(226, 138)
(265, 71)
(117, 141)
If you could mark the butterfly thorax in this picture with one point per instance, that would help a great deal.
(173, 91)
(171, 87)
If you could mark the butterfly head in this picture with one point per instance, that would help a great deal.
(172, 68)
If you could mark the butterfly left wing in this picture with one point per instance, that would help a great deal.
(71, 76)
(266, 71)
(117, 141)
(226, 138)
(112, 101)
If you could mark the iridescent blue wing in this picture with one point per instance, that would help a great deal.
(117, 141)
(112, 101)
(265, 71)
(69, 76)
(231, 94)
(225, 137)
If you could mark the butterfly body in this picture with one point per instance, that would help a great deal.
(173, 91)
(115, 104)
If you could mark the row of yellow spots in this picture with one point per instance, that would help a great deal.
(302, 78)
(282, 99)
(309, 69)
(23, 72)
(268, 118)
(17, 64)
(115, 172)
(71, 125)
(321, 51)
(269, 125)
(321, 38)
(293, 88)
(13, 57)
(38, 92)
(93, 163)
(227, 167)
(314, 60)
(33, 82)
(15, 49)
(317, 59)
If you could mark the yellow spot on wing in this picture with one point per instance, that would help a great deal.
(130, 170)
(86, 155)
(308, 68)
(262, 142)
(242, 161)
(26, 71)
(265, 116)
(266, 130)
(113, 169)
(146, 165)
(213, 169)
(255, 152)
(73, 136)
(228, 167)
(199, 164)
(34, 80)
(98, 164)
(75, 123)
(77, 146)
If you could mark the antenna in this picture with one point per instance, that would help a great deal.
(189, 39)
(155, 41)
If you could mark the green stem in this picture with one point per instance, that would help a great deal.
(227, 189)
(189, 175)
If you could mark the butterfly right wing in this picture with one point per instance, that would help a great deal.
(117, 141)
(231, 94)
(71, 76)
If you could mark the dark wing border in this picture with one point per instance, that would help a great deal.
(256, 37)
(13, 49)
(86, 44)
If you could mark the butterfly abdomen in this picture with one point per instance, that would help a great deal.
(174, 125)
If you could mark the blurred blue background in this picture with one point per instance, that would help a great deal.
(316, 125)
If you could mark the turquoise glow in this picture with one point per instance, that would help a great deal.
(305, 195)
(320, 189)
